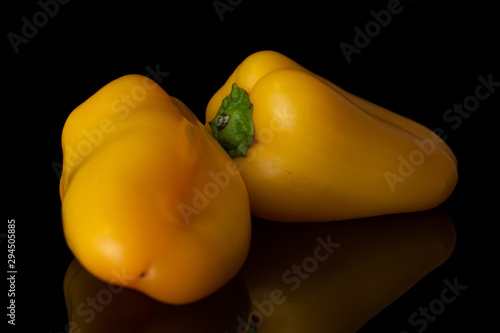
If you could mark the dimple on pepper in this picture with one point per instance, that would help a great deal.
(319, 153)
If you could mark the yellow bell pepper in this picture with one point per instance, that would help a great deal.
(310, 151)
(145, 191)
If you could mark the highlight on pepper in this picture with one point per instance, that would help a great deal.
(337, 157)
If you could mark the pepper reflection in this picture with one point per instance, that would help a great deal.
(299, 277)
(334, 277)
(95, 306)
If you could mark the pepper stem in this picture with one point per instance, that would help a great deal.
(232, 126)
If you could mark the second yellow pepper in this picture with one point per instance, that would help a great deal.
(310, 151)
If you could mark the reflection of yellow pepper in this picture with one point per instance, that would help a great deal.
(145, 192)
(97, 307)
(316, 152)
(334, 277)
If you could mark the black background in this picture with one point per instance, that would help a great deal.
(426, 59)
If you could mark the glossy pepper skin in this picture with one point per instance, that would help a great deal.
(144, 193)
(320, 153)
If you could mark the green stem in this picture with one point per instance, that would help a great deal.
(252, 328)
(232, 126)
